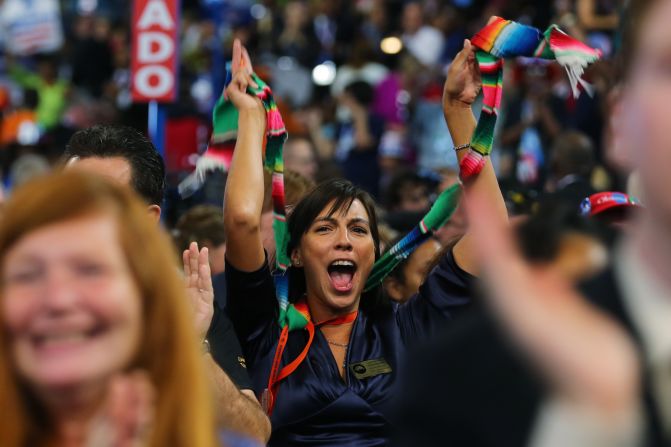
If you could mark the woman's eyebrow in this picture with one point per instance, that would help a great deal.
(334, 221)
(325, 219)
(359, 220)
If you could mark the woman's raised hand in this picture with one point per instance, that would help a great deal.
(463, 81)
(242, 71)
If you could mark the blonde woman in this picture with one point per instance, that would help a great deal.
(97, 346)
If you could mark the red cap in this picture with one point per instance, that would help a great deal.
(602, 201)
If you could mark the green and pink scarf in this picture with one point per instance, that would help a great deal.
(504, 39)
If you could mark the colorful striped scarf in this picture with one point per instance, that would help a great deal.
(225, 131)
(224, 135)
(438, 215)
(503, 39)
(276, 135)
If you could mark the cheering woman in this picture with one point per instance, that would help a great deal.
(333, 383)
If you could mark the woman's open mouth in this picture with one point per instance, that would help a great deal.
(341, 272)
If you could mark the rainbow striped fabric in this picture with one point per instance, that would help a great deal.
(502, 39)
(276, 135)
(224, 134)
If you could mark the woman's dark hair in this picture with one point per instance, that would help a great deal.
(338, 195)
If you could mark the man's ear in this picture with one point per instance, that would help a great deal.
(155, 212)
(393, 289)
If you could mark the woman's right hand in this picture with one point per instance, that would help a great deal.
(236, 91)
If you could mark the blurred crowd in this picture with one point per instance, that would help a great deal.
(359, 85)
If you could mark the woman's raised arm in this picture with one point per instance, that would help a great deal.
(243, 199)
(461, 88)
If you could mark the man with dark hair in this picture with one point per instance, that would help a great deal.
(127, 156)
(571, 167)
(408, 191)
(123, 154)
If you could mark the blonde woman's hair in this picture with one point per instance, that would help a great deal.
(168, 350)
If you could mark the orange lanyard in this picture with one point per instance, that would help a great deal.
(277, 375)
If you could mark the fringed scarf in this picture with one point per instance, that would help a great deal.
(503, 39)
(224, 135)
(276, 135)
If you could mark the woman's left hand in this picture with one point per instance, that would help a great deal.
(198, 278)
(463, 81)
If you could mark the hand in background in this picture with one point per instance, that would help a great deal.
(584, 355)
(198, 279)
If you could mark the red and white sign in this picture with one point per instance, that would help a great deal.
(155, 50)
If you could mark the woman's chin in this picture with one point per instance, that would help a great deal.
(336, 300)
(58, 378)
(342, 301)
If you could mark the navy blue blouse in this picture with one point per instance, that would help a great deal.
(315, 405)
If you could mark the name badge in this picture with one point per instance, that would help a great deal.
(370, 368)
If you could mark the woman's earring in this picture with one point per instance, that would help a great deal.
(298, 263)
